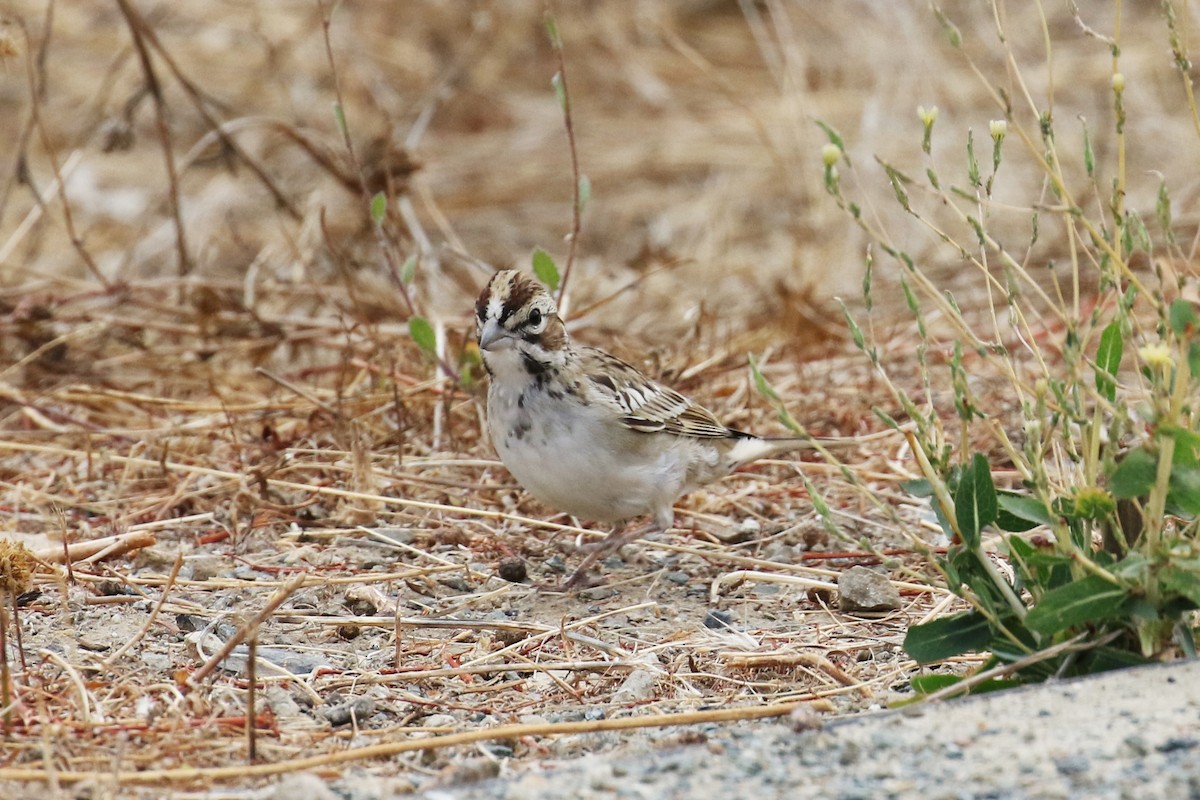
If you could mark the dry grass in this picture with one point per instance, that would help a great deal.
(221, 360)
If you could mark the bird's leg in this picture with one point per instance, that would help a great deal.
(620, 536)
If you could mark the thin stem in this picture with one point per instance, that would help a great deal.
(569, 124)
(136, 30)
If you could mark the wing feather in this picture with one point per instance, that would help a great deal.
(643, 404)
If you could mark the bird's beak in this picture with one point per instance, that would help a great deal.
(493, 335)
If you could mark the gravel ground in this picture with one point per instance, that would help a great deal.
(1130, 734)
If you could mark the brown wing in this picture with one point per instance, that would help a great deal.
(643, 404)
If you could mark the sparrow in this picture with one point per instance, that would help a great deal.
(587, 433)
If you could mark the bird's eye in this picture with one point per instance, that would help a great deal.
(535, 318)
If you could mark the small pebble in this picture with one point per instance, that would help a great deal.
(1072, 765)
(820, 596)
(1136, 745)
(361, 607)
(1176, 743)
(357, 709)
(401, 535)
(497, 750)
(95, 645)
(680, 578)
(718, 620)
(513, 570)
(637, 687)
(598, 593)
(850, 754)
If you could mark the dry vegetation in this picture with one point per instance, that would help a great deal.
(202, 339)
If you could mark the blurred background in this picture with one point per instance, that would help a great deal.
(695, 123)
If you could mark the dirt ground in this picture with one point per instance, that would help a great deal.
(204, 340)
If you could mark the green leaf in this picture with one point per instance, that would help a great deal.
(972, 162)
(1134, 476)
(1108, 360)
(1019, 512)
(918, 487)
(768, 391)
(422, 334)
(1183, 489)
(1181, 581)
(760, 382)
(1086, 601)
(378, 207)
(1163, 210)
(1187, 443)
(1103, 659)
(856, 334)
(1183, 493)
(975, 504)
(947, 637)
(951, 30)
(899, 181)
(545, 269)
(1028, 565)
(1089, 155)
(560, 91)
(928, 684)
(939, 514)
(585, 192)
(408, 269)
(339, 114)
(1182, 317)
(552, 32)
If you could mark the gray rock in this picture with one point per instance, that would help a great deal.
(639, 685)
(862, 589)
(203, 567)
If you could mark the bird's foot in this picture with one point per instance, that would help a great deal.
(579, 581)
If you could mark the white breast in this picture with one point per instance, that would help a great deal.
(581, 460)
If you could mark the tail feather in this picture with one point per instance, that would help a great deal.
(749, 448)
(752, 448)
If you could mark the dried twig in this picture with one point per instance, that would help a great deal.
(247, 629)
(137, 29)
(162, 599)
(564, 92)
(97, 549)
(36, 79)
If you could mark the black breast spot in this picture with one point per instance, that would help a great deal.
(533, 366)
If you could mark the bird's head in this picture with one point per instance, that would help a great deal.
(517, 325)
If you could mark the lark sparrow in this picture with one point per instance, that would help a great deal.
(586, 433)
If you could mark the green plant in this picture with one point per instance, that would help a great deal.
(1091, 558)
